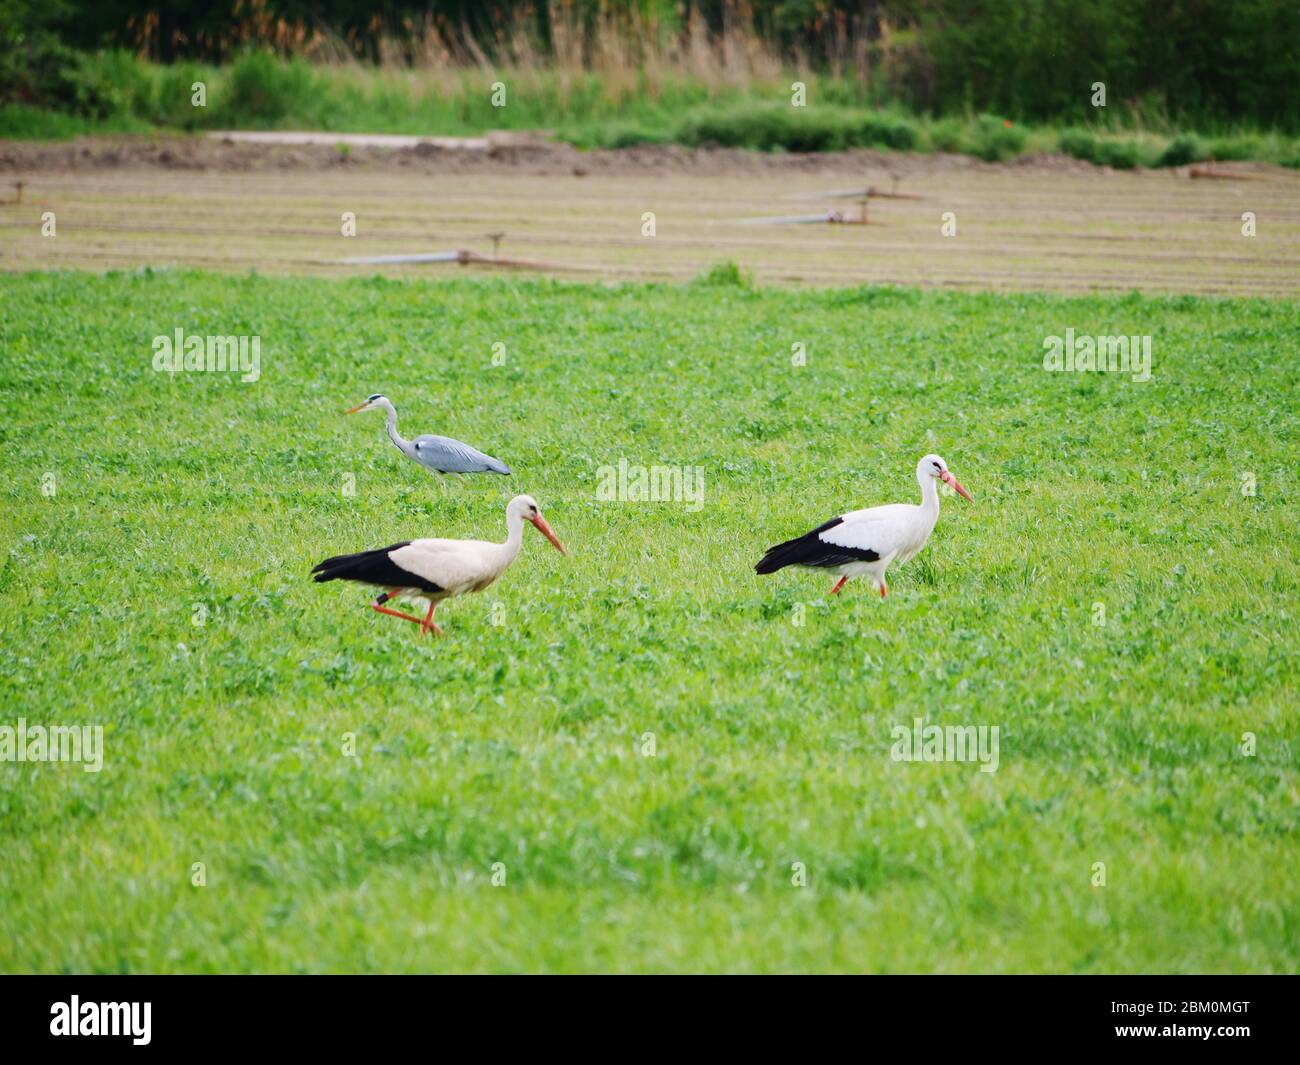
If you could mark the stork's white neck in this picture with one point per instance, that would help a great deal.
(929, 491)
(514, 536)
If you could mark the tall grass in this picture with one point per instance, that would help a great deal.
(624, 79)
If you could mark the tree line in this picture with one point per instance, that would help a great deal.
(1198, 61)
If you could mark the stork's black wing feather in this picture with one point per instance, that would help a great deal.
(811, 550)
(372, 567)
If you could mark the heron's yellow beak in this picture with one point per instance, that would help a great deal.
(359, 406)
(548, 532)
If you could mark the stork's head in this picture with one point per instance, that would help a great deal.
(934, 466)
(377, 400)
(526, 507)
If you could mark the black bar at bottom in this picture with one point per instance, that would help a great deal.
(305, 1014)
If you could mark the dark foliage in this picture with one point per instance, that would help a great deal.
(1201, 62)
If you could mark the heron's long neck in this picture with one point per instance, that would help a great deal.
(393, 434)
(929, 493)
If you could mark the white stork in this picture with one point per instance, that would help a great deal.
(435, 570)
(865, 542)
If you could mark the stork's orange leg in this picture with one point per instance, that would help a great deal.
(378, 605)
(428, 623)
(839, 584)
(396, 613)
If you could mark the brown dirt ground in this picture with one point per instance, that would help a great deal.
(1046, 222)
(506, 153)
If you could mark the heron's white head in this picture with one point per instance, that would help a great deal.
(526, 507)
(372, 402)
(934, 466)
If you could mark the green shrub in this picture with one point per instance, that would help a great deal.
(875, 129)
(112, 83)
(173, 91)
(764, 127)
(948, 135)
(36, 68)
(995, 139)
(726, 274)
(1081, 144)
(1232, 149)
(628, 135)
(779, 127)
(710, 127)
(1078, 143)
(1120, 154)
(33, 123)
(262, 90)
(1182, 150)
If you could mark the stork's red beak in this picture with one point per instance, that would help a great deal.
(545, 530)
(359, 406)
(947, 478)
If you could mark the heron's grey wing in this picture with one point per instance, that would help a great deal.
(446, 455)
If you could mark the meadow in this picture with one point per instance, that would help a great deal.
(500, 809)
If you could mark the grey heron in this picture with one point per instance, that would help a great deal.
(441, 454)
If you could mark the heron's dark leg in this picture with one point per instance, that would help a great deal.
(378, 605)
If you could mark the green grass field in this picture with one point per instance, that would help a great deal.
(193, 496)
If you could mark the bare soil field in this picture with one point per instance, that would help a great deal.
(1043, 223)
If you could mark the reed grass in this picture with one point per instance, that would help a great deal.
(620, 80)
